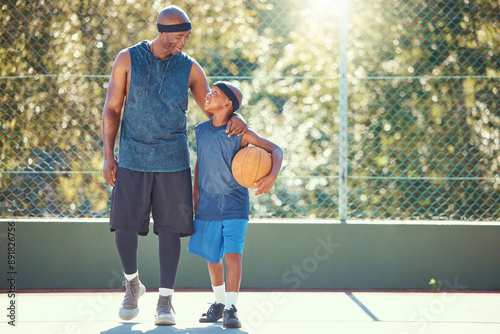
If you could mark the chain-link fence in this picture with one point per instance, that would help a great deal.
(421, 78)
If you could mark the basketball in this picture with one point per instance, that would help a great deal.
(251, 164)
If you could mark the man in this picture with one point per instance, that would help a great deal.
(153, 171)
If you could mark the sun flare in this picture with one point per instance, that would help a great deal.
(326, 6)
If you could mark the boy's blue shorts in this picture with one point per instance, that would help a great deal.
(214, 238)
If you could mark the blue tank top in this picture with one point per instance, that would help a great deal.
(220, 197)
(153, 135)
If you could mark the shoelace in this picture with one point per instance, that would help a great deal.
(211, 311)
(129, 299)
(231, 312)
(164, 305)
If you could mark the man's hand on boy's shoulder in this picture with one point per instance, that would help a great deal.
(236, 126)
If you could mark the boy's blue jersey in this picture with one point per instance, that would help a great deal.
(220, 197)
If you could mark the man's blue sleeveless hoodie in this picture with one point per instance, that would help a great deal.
(153, 135)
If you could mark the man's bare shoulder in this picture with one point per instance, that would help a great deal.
(123, 59)
(197, 73)
(196, 67)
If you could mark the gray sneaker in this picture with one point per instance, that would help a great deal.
(134, 289)
(164, 311)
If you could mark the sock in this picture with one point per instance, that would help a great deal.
(166, 292)
(130, 277)
(220, 293)
(231, 299)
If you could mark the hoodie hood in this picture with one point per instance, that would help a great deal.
(145, 48)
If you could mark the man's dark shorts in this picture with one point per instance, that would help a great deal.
(167, 195)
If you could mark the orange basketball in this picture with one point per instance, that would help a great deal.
(251, 164)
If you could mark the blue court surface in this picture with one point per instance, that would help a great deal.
(263, 312)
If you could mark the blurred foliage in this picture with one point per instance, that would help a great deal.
(424, 120)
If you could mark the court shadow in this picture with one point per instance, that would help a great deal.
(209, 329)
(125, 327)
(362, 306)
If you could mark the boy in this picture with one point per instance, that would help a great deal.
(221, 205)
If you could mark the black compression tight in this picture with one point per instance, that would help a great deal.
(169, 253)
(126, 244)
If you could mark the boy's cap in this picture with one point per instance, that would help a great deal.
(224, 87)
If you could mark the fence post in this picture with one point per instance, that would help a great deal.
(343, 148)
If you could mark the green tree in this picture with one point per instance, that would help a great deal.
(421, 75)
(423, 101)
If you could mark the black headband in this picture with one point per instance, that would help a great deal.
(229, 93)
(174, 27)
